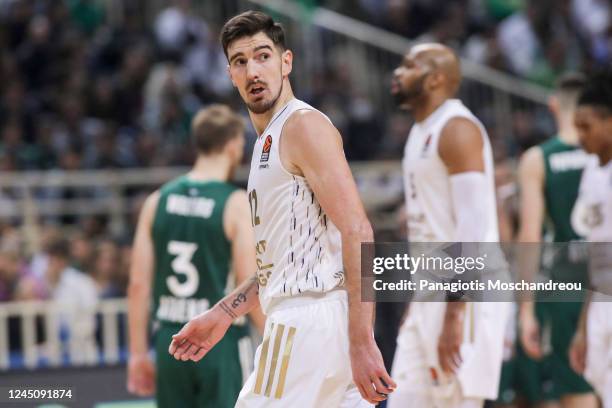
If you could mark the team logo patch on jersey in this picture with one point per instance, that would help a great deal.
(265, 152)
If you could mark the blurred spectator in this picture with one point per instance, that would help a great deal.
(593, 18)
(106, 271)
(63, 282)
(538, 43)
(76, 295)
(87, 15)
(9, 275)
(81, 252)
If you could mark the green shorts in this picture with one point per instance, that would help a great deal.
(213, 382)
(507, 383)
(551, 377)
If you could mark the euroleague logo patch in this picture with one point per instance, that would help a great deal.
(265, 152)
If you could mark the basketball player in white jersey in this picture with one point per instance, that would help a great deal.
(448, 354)
(318, 348)
(591, 350)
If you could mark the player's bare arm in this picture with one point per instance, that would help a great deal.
(202, 332)
(312, 147)
(238, 230)
(141, 370)
(578, 348)
(532, 204)
(461, 150)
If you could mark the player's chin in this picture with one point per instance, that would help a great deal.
(261, 105)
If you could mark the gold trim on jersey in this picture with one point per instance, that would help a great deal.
(277, 340)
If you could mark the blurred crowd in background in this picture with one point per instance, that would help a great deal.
(532, 39)
(82, 90)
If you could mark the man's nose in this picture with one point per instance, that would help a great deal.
(252, 70)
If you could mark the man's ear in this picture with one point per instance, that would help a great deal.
(229, 72)
(286, 62)
(434, 80)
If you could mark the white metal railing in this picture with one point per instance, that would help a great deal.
(69, 332)
(379, 183)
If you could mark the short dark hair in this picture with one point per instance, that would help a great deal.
(214, 126)
(250, 23)
(571, 82)
(568, 88)
(597, 91)
(59, 248)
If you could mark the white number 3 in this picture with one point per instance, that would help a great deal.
(182, 265)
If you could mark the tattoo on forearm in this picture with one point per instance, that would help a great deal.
(227, 310)
(242, 296)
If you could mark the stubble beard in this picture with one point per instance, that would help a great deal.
(406, 99)
(262, 107)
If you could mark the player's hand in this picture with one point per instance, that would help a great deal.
(529, 331)
(200, 335)
(141, 375)
(369, 372)
(449, 343)
(577, 352)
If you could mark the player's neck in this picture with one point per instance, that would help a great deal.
(260, 121)
(605, 157)
(211, 168)
(428, 107)
(567, 131)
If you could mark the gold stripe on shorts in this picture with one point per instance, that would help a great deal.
(283, 373)
(277, 342)
(261, 366)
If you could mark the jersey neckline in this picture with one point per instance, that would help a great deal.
(276, 115)
(188, 179)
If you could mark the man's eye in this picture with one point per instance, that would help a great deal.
(239, 62)
(264, 57)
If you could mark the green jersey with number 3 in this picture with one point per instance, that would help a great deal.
(192, 253)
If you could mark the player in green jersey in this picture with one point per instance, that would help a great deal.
(549, 176)
(194, 242)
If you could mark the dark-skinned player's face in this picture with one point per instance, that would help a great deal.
(594, 128)
(408, 82)
(257, 69)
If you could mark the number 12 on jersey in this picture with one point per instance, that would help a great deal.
(253, 205)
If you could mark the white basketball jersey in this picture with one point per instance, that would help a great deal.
(429, 203)
(592, 215)
(429, 206)
(298, 249)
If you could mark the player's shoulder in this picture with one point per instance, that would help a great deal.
(149, 207)
(532, 158)
(237, 199)
(309, 128)
(172, 185)
(305, 117)
(237, 212)
(551, 145)
(459, 133)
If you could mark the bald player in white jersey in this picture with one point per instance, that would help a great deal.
(591, 349)
(448, 354)
(318, 348)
